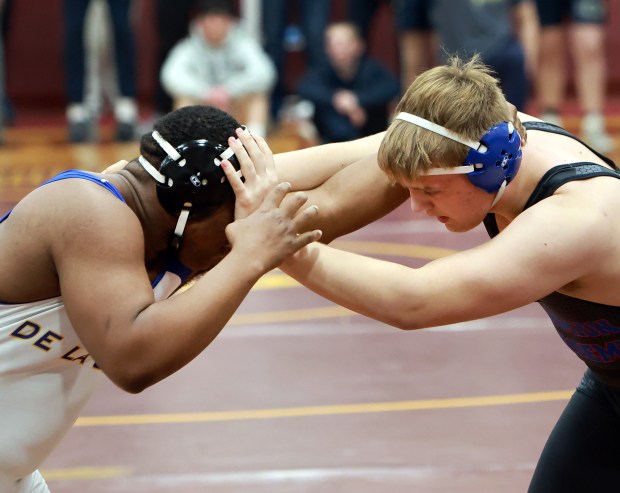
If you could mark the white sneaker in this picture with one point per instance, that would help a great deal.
(594, 133)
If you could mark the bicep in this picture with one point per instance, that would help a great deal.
(103, 282)
(354, 197)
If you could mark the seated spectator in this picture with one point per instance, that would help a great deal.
(351, 92)
(220, 65)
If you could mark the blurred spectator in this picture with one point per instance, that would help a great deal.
(586, 26)
(313, 18)
(417, 43)
(351, 92)
(173, 19)
(503, 32)
(220, 65)
(81, 121)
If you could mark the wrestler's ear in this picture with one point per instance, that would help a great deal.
(514, 118)
(113, 168)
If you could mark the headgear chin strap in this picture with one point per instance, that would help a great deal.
(490, 164)
(190, 179)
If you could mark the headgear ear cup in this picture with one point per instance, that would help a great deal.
(199, 180)
(500, 160)
(190, 179)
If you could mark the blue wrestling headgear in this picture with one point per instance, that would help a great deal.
(491, 163)
(190, 179)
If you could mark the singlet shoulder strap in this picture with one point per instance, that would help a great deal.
(84, 175)
(554, 129)
(564, 173)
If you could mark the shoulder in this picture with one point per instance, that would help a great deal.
(574, 223)
(184, 44)
(70, 213)
(67, 223)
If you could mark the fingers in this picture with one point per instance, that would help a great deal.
(512, 110)
(266, 150)
(233, 177)
(113, 168)
(304, 239)
(262, 144)
(276, 195)
(291, 205)
(253, 153)
(306, 219)
(245, 162)
(256, 152)
(514, 118)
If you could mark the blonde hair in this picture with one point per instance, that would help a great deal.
(462, 96)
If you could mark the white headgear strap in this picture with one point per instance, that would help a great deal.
(174, 154)
(167, 146)
(160, 178)
(449, 134)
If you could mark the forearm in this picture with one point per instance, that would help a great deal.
(308, 168)
(359, 283)
(353, 198)
(168, 334)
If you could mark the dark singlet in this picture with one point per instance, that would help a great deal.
(591, 330)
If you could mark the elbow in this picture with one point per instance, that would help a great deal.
(131, 385)
(407, 325)
(406, 321)
(132, 380)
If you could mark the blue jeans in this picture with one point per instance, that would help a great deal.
(314, 16)
(74, 12)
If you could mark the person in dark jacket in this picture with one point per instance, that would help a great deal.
(351, 92)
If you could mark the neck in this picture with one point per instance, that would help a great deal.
(521, 188)
(348, 71)
(140, 194)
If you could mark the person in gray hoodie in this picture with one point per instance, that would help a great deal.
(221, 65)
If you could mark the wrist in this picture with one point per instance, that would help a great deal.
(250, 266)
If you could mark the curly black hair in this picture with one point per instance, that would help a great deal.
(186, 124)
